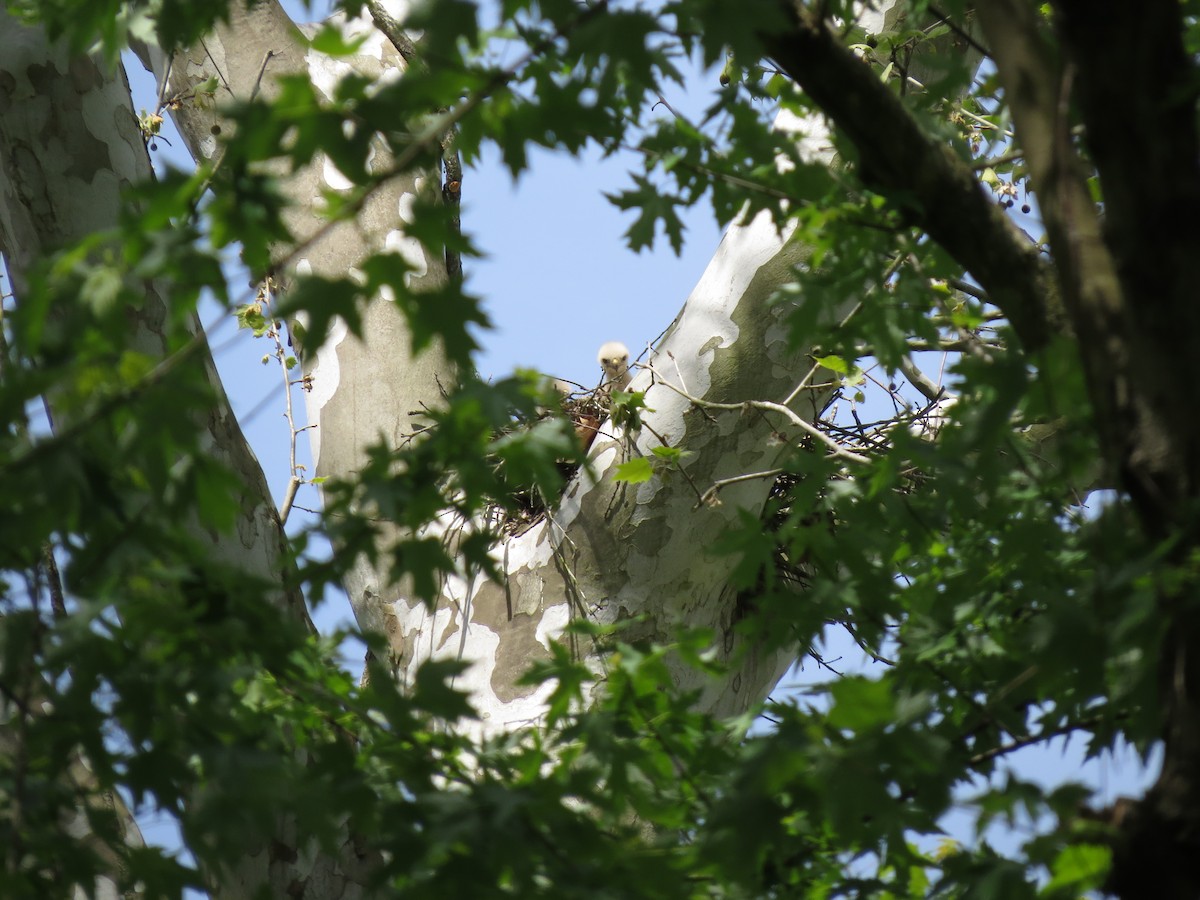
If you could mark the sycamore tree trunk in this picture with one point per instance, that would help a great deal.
(605, 550)
(610, 551)
(69, 144)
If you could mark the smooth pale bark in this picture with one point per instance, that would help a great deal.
(645, 550)
(69, 143)
(606, 551)
(362, 390)
(46, 139)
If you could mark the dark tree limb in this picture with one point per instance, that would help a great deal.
(1037, 90)
(922, 175)
(1128, 283)
(1137, 92)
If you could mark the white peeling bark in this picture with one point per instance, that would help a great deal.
(606, 551)
(69, 142)
(614, 553)
(362, 389)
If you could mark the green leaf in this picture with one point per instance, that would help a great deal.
(671, 455)
(634, 471)
(1077, 869)
(331, 40)
(861, 704)
(322, 300)
(251, 316)
(653, 206)
(833, 363)
(435, 694)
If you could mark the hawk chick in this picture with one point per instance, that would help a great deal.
(614, 360)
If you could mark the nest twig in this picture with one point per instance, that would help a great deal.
(585, 409)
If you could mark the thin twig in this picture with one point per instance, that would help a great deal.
(864, 646)
(892, 269)
(662, 440)
(262, 70)
(62, 437)
(711, 494)
(452, 197)
(295, 479)
(974, 290)
(58, 603)
(808, 428)
(920, 380)
(727, 177)
(970, 344)
(451, 162)
(1030, 739)
(678, 371)
(216, 68)
(672, 110)
(981, 164)
(962, 33)
(806, 382)
(984, 122)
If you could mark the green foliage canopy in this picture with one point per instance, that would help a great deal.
(1001, 613)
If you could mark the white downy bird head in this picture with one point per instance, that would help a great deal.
(614, 360)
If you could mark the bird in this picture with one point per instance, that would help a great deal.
(613, 357)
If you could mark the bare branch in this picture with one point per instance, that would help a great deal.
(921, 381)
(710, 496)
(393, 31)
(808, 428)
